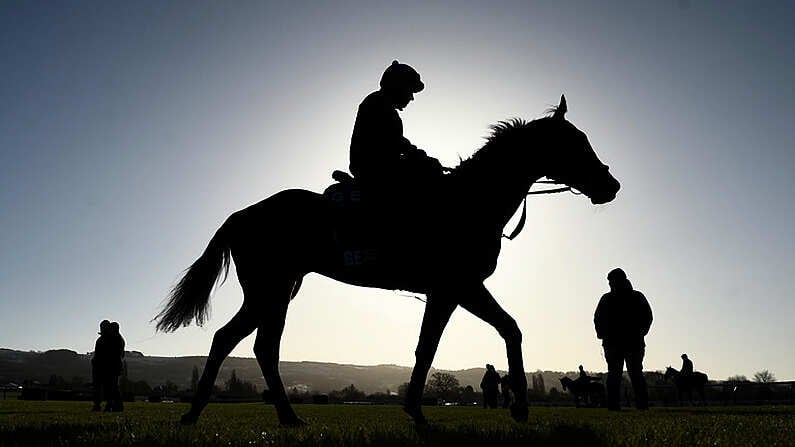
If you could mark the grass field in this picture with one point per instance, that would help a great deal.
(24, 423)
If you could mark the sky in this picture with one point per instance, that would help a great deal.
(130, 130)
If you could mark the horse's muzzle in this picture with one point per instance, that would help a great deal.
(607, 192)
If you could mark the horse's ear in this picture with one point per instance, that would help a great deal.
(561, 109)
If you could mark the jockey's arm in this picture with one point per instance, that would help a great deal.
(412, 152)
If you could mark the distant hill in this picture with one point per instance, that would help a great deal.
(319, 377)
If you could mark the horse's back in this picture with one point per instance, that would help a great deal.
(286, 213)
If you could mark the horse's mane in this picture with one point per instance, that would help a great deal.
(485, 157)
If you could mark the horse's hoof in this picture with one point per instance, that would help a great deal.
(416, 415)
(188, 419)
(520, 412)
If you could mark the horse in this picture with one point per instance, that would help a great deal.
(686, 384)
(277, 241)
(589, 393)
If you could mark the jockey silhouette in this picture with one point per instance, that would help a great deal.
(380, 155)
(584, 378)
(687, 366)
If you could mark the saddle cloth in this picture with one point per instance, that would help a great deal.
(369, 225)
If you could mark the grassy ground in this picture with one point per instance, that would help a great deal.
(71, 424)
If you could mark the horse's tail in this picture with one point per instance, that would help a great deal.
(190, 298)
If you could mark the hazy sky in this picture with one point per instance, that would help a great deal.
(130, 130)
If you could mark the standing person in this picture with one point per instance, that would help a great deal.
(489, 384)
(99, 365)
(622, 319)
(505, 388)
(116, 365)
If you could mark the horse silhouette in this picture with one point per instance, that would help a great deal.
(685, 385)
(277, 241)
(589, 393)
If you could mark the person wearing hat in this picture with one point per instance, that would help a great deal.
(622, 319)
(380, 156)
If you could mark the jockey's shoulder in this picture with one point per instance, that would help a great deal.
(375, 100)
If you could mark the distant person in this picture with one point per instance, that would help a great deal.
(687, 367)
(117, 366)
(505, 388)
(99, 365)
(106, 366)
(489, 385)
(382, 160)
(582, 383)
(622, 319)
(584, 379)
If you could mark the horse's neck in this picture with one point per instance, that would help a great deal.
(504, 195)
(497, 179)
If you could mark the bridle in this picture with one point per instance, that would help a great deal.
(523, 218)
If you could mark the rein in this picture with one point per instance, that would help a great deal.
(519, 225)
(523, 218)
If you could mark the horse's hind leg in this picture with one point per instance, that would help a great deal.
(239, 327)
(266, 347)
(437, 313)
(481, 304)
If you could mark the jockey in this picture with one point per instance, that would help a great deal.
(380, 155)
(584, 378)
(687, 366)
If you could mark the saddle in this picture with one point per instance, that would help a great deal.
(355, 234)
(345, 194)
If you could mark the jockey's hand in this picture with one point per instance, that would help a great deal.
(415, 153)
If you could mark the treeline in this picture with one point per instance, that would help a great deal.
(81, 388)
(441, 388)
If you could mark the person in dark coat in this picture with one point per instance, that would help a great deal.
(116, 364)
(505, 388)
(489, 385)
(381, 158)
(106, 367)
(99, 366)
(622, 320)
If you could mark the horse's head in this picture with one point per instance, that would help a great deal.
(572, 161)
(669, 372)
(565, 382)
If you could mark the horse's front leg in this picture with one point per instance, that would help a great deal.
(437, 313)
(485, 307)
